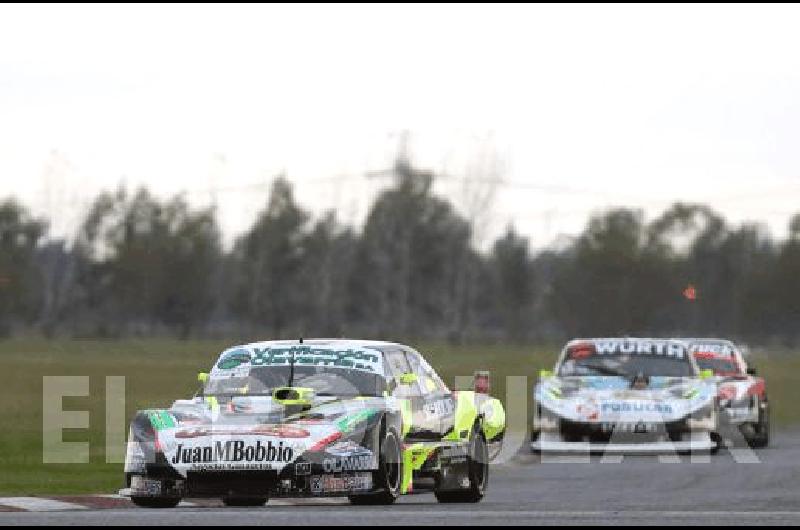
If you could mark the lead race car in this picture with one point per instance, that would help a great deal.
(744, 405)
(360, 419)
(625, 396)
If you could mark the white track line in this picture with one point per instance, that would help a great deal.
(36, 504)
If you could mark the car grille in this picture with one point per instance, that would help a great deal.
(231, 482)
(621, 432)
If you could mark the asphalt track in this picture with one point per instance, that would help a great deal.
(643, 490)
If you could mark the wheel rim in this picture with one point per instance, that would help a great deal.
(391, 463)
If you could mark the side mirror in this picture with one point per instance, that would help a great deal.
(203, 377)
(706, 374)
(407, 379)
(751, 370)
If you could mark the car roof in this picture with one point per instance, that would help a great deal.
(341, 343)
(573, 342)
(628, 339)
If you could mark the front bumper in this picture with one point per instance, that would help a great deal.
(553, 443)
(215, 485)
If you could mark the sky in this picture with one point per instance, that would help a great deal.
(534, 115)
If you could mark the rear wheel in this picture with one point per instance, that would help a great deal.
(478, 473)
(155, 502)
(242, 502)
(388, 476)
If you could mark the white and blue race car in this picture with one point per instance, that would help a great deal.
(626, 396)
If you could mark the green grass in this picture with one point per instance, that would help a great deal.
(159, 371)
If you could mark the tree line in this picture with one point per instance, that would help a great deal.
(140, 266)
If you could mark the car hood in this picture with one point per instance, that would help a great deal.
(197, 436)
(611, 399)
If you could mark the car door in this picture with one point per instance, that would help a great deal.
(436, 414)
(408, 393)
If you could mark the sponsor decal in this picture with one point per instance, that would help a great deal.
(349, 456)
(233, 359)
(347, 448)
(440, 408)
(636, 406)
(640, 347)
(161, 420)
(235, 452)
(302, 469)
(581, 351)
(713, 349)
(321, 484)
(348, 463)
(145, 487)
(277, 431)
(134, 458)
(308, 355)
(453, 454)
(631, 428)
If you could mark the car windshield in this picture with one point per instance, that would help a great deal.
(719, 365)
(326, 381)
(626, 365)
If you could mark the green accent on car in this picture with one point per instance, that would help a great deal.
(203, 377)
(494, 419)
(556, 392)
(691, 393)
(351, 421)
(706, 374)
(465, 416)
(469, 407)
(212, 402)
(545, 374)
(414, 457)
(161, 419)
(408, 379)
(407, 414)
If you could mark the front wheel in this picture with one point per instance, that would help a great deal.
(760, 431)
(478, 473)
(155, 502)
(388, 476)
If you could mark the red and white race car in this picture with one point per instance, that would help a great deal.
(742, 395)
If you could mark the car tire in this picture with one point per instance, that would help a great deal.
(478, 471)
(389, 475)
(244, 502)
(718, 442)
(535, 438)
(760, 437)
(156, 502)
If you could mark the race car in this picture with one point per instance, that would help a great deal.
(625, 395)
(365, 420)
(742, 395)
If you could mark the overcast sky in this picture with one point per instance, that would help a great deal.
(575, 108)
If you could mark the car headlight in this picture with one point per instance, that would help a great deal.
(742, 403)
(544, 419)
